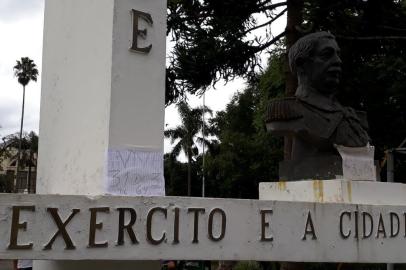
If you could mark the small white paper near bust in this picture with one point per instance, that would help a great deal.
(358, 162)
(135, 172)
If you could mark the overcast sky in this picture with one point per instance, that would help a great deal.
(21, 25)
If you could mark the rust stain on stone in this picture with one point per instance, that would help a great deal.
(282, 185)
(318, 190)
(349, 191)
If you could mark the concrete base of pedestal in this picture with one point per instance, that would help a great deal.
(342, 191)
(99, 265)
(329, 191)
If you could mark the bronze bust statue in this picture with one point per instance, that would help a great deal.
(314, 118)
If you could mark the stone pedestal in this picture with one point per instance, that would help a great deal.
(328, 167)
(335, 191)
(98, 94)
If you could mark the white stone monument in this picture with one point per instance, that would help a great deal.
(102, 89)
(343, 225)
(101, 132)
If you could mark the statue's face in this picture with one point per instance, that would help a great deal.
(324, 69)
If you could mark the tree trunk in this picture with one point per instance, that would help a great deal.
(294, 19)
(29, 171)
(189, 173)
(19, 141)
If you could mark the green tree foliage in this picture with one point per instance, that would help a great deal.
(28, 153)
(214, 40)
(6, 183)
(377, 87)
(29, 147)
(186, 133)
(176, 172)
(371, 34)
(247, 265)
(223, 39)
(25, 70)
(245, 153)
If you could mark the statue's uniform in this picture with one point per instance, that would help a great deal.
(318, 122)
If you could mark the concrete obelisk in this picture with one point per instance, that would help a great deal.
(102, 88)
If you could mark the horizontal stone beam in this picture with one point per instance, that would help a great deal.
(62, 227)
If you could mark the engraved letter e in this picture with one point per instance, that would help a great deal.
(137, 32)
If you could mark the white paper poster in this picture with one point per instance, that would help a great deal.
(358, 162)
(135, 172)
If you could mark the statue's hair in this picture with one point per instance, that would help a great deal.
(304, 47)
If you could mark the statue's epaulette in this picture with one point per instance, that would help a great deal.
(283, 109)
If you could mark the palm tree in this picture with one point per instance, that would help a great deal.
(25, 71)
(191, 119)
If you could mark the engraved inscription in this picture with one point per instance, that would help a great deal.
(16, 226)
(265, 224)
(137, 15)
(61, 228)
(96, 226)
